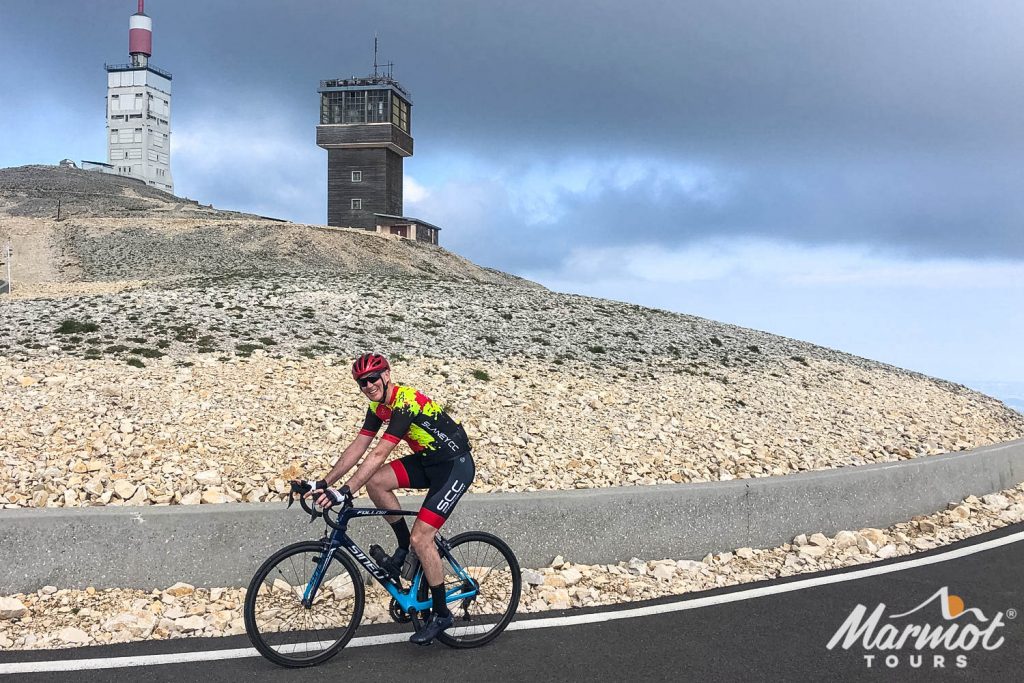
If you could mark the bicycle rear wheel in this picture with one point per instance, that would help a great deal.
(485, 561)
(281, 627)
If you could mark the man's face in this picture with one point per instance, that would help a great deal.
(372, 385)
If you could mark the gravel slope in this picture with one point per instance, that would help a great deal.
(159, 358)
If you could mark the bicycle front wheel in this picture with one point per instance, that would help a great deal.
(483, 562)
(286, 631)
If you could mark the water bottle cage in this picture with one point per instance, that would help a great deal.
(412, 563)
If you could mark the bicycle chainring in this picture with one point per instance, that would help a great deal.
(397, 615)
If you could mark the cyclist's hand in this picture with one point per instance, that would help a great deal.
(331, 497)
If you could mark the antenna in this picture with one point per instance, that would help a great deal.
(377, 66)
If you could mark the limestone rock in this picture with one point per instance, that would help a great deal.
(996, 501)
(820, 540)
(812, 551)
(886, 552)
(558, 599)
(664, 572)
(192, 498)
(213, 496)
(845, 539)
(190, 624)
(208, 478)
(876, 536)
(533, 578)
(572, 576)
(124, 489)
(73, 636)
(689, 565)
(12, 608)
(180, 589)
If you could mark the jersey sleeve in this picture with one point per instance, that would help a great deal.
(398, 427)
(371, 424)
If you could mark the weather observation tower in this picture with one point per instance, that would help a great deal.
(365, 126)
(139, 111)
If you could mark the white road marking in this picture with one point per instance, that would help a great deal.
(749, 594)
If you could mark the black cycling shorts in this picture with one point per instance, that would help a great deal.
(446, 481)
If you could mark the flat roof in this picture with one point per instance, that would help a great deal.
(130, 67)
(407, 219)
(366, 83)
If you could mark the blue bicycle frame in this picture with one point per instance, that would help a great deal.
(406, 599)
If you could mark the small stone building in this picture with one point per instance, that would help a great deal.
(409, 228)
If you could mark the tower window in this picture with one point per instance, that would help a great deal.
(399, 113)
(376, 106)
(357, 176)
(357, 204)
(355, 107)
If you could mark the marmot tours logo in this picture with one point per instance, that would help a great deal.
(946, 632)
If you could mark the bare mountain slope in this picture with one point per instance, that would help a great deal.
(205, 358)
(114, 228)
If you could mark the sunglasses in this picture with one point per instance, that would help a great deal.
(364, 382)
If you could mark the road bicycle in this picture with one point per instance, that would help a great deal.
(306, 600)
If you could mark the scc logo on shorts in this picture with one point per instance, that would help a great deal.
(451, 496)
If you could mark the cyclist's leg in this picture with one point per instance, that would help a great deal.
(403, 473)
(448, 482)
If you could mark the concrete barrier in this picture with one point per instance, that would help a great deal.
(153, 547)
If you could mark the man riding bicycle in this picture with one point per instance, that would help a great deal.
(440, 462)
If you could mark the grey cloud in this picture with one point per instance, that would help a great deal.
(870, 122)
(920, 210)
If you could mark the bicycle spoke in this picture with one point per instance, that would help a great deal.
(490, 569)
(289, 632)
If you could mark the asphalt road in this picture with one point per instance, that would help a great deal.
(775, 630)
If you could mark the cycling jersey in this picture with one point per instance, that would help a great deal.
(421, 422)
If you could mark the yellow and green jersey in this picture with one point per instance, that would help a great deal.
(413, 417)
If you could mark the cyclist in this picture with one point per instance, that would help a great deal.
(440, 462)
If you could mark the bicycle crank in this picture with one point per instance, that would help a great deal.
(397, 614)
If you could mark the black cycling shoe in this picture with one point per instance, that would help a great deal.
(432, 629)
(392, 564)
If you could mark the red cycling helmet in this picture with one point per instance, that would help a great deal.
(369, 363)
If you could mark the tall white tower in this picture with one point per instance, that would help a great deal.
(139, 111)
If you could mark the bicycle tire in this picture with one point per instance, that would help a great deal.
(492, 564)
(275, 594)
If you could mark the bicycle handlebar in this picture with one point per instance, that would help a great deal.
(300, 490)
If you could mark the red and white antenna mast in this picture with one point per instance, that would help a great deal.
(140, 36)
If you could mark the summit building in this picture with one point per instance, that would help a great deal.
(366, 128)
(139, 111)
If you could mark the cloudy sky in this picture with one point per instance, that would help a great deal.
(847, 172)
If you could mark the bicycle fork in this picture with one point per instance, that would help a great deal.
(318, 576)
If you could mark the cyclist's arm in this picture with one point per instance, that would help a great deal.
(371, 464)
(400, 422)
(349, 457)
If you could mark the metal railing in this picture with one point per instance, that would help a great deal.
(131, 67)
